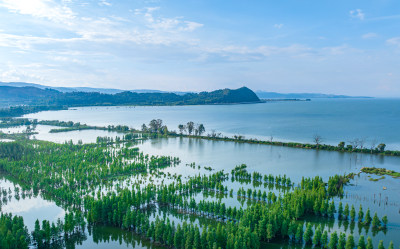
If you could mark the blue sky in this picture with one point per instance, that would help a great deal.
(340, 47)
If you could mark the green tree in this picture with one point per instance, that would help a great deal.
(367, 219)
(384, 221)
(324, 239)
(317, 236)
(360, 214)
(181, 128)
(155, 125)
(299, 233)
(346, 211)
(334, 240)
(340, 210)
(352, 213)
(342, 241)
(349, 242)
(270, 232)
(190, 127)
(380, 245)
(197, 240)
(376, 223)
(37, 233)
(308, 234)
(201, 129)
(361, 243)
(331, 209)
(381, 147)
(369, 243)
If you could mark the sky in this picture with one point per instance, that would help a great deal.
(336, 47)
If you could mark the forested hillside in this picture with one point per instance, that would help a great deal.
(47, 97)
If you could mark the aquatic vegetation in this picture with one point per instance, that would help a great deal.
(81, 178)
(380, 171)
(13, 232)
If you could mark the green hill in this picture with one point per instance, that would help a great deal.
(225, 96)
(50, 98)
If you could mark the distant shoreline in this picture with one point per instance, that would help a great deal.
(275, 100)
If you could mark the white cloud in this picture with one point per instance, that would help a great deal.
(104, 3)
(278, 26)
(28, 73)
(191, 26)
(243, 53)
(337, 50)
(357, 13)
(147, 28)
(40, 8)
(166, 24)
(369, 35)
(28, 205)
(395, 41)
(66, 59)
(26, 42)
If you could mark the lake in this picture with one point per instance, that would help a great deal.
(42, 132)
(371, 120)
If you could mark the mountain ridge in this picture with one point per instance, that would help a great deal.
(86, 89)
(259, 93)
(32, 96)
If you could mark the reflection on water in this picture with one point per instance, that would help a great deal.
(27, 204)
(108, 237)
(295, 163)
(6, 140)
(266, 159)
(42, 132)
(86, 136)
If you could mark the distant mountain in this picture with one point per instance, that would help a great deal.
(275, 95)
(10, 96)
(25, 93)
(29, 95)
(260, 94)
(225, 96)
(84, 89)
(62, 89)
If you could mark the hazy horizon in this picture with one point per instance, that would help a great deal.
(344, 48)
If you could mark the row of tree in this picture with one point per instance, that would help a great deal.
(191, 128)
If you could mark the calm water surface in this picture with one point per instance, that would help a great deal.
(372, 120)
(86, 136)
(267, 159)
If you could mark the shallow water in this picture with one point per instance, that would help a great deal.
(86, 136)
(267, 159)
(31, 207)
